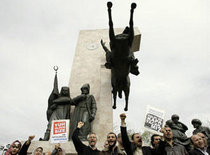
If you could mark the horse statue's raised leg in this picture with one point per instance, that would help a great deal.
(127, 92)
(114, 92)
(126, 100)
(111, 29)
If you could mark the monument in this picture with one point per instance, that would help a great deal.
(88, 67)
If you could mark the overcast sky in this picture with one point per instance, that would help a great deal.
(174, 58)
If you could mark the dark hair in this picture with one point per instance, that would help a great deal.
(112, 133)
(152, 138)
(132, 137)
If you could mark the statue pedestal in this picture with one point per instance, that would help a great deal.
(88, 67)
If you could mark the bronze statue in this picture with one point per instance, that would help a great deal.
(85, 111)
(59, 106)
(178, 130)
(121, 59)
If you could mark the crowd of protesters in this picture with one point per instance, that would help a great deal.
(121, 144)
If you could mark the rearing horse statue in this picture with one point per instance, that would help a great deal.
(121, 59)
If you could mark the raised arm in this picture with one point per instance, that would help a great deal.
(79, 146)
(26, 145)
(125, 139)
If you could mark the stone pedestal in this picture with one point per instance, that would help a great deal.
(88, 67)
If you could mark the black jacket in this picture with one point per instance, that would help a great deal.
(130, 147)
(198, 152)
(81, 148)
(24, 149)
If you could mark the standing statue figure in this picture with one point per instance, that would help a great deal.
(178, 130)
(85, 111)
(59, 106)
(197, 124)
(121, 59)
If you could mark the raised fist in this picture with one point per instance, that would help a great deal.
(122, 116)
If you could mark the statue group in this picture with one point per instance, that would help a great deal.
(59, 107)
(178, 129)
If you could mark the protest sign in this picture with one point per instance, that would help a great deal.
(154, 119)
(59, 131)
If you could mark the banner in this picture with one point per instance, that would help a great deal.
(59, 131)
(154, 119)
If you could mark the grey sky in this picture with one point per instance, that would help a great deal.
(36, 35)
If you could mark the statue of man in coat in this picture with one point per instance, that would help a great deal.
(85, 111)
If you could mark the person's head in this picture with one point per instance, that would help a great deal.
(60, 151)
(175, 118)
(119, 139)
(65, 91)
(38, 151)
(112, 139)
(196, 123)
(92, 139)
(137, 139)
(85, 89)
(204, 137)
(197, 141)
(155, 140)
(168, 135)
(14, 148)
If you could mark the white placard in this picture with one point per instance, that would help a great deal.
(59, 131)
(154, 119)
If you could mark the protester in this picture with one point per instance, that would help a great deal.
(81, 148)
(155, 140)
(38, 151)
(112, 148)
(58, 150)
(168, 146)
(134, 147)
(16, 149)
(199, 146)
(204, 137)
